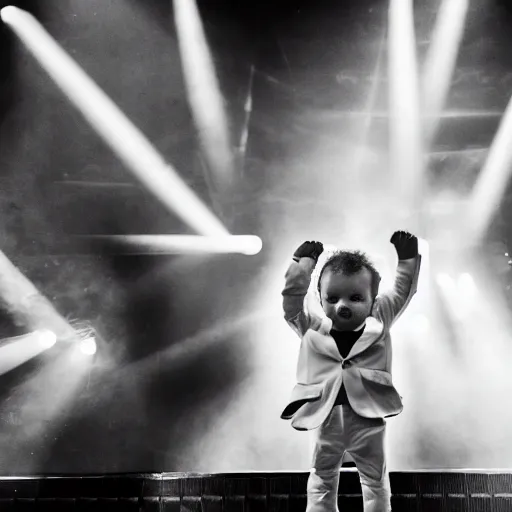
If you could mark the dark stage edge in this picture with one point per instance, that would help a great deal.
(418, 491)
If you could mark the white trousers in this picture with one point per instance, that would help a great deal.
(363, 438)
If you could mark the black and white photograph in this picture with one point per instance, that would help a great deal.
(255, 255)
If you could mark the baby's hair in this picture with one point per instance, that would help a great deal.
(349, 263)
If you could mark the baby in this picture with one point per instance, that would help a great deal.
(344, 387)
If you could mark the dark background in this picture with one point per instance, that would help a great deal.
(194, 362)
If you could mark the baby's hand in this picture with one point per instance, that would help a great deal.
(406, 245)
(309, 250)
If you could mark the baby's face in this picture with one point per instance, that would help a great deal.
(346, 299)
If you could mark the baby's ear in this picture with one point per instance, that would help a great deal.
(374, 306)
(376, 286)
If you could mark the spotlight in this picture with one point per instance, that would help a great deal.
(46, 338)
(8, 13)
(88, 346)
(86, 336)
(253, 245)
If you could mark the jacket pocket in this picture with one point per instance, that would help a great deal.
(301, 395)
(380, 392)
(377, 376)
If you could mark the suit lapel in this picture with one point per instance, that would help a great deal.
(323, 343)
(371, 334)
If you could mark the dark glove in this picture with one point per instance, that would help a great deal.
(406, 245)
(309, 250)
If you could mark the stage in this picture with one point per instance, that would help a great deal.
(418, 491)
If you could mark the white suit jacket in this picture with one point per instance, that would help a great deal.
(321, 370)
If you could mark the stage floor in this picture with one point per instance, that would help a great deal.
(441, 490)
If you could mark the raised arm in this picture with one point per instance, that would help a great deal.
(390, 305)
(297, 280)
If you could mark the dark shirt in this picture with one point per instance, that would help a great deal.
(345, 340)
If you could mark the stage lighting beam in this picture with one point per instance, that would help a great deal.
(18, 350)
(406, 152)
(204, 93)
(181, 244)
(491, 183)
(26, 305)
(127, 141)
(440, 63)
